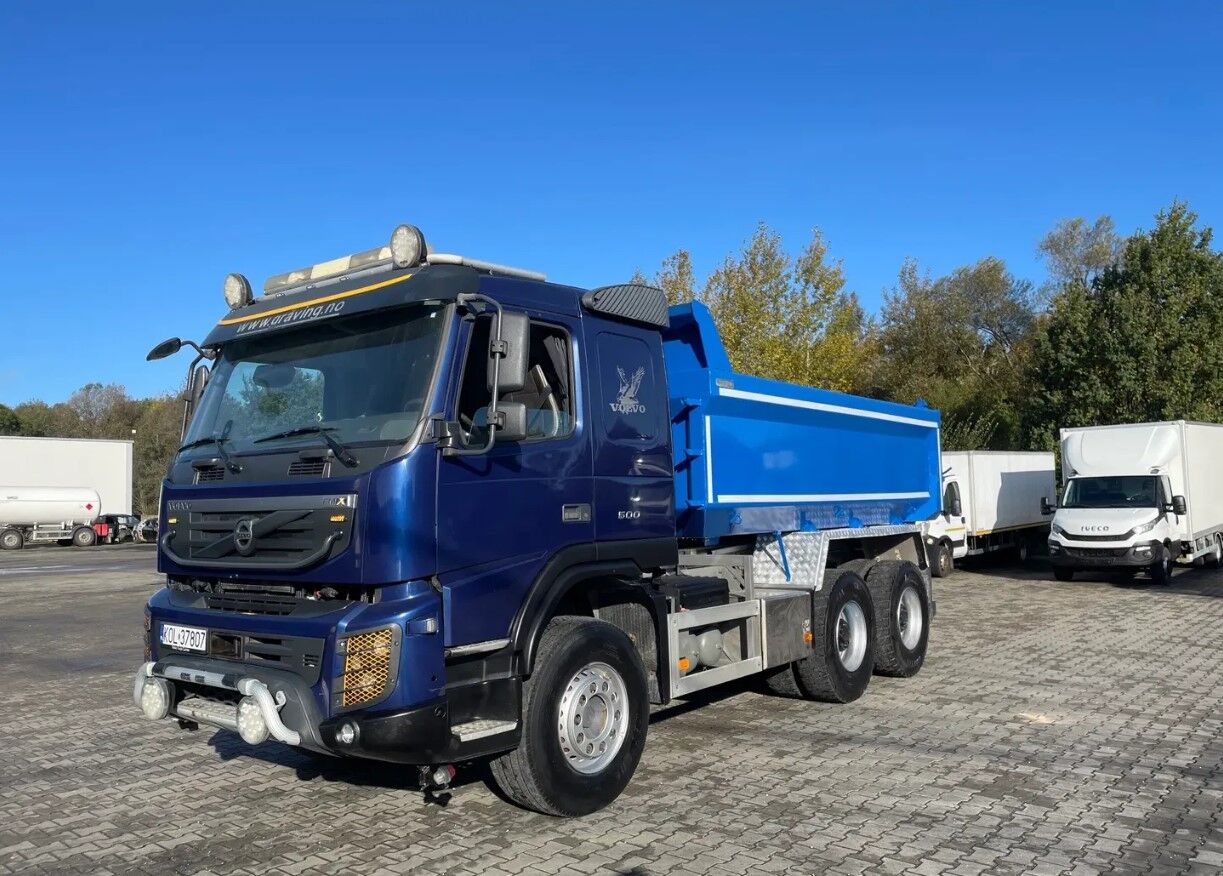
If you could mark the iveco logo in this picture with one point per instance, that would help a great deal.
(1095, 528)
(244, 536)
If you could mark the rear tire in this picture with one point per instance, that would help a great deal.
(840, 666)
(1215, 560)
(902, 617)
(587, 674)
(84, 536)
(1021, 550)
(12, 540)
(941, 563)
(1063, 574)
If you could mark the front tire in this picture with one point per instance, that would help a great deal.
(12, 540)
(902, 617)
(84, 536)
(1161, 569)
(585, 713)
(942, 562)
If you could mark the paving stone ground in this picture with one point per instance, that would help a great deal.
(1056, 728)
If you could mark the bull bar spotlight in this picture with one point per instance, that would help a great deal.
(237, 291)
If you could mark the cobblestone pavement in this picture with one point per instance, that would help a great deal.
(1056, 728)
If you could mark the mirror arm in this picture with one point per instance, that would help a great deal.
(187, 412)
(497, 349)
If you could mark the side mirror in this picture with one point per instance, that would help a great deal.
(513, 421)
(1179, 505)
(168, 347)
(510, 375)
(1046, 507)
(199, 379)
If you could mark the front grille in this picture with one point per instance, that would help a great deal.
(255, 599)
(367, 667)
(309, 468)
(301, 655)
(211, 473)
(1074, 536)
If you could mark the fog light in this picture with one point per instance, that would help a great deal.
(347, 734)
(1142, 548)
(407, 246)
(251, 726)
(155, 698)
(237, 291)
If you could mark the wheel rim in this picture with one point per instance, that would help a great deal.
(944, 558)
(593, 718)
(909, 619)
(851, 636)
(1023, 552)
(10, 540)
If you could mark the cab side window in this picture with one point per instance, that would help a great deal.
(951, 498)
(547, 394)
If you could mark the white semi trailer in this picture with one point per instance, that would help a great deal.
(47, 484)
(43, 515)
(991, 502)
(1138, 498)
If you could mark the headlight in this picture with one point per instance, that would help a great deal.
(1057, 530)
(1144, 527)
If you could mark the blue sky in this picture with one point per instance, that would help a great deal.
(148, 149)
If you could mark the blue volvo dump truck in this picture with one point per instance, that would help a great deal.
(430, 509)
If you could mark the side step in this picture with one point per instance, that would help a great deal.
(482, 727)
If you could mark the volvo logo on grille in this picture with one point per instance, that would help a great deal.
(244, 536)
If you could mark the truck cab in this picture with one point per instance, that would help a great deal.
(425, 511)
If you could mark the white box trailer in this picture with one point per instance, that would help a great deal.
(41, 472)
(1139, 497)
(991, 502)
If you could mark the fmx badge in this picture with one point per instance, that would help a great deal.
(626, 402)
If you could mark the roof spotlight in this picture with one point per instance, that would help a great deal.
(407, 246)
(237, 291)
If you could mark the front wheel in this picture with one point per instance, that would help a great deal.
(902, 617)
(12, 540)
(942, 562)
(1161, 569)
(585, 713)
(84, 536)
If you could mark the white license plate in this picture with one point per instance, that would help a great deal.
(184, 638)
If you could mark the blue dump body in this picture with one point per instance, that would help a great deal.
(758, 456)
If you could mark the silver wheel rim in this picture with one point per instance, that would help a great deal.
(851, 636)
(593, 718)
(908, 618)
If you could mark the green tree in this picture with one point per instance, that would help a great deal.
(10, 423)
(1143, 341)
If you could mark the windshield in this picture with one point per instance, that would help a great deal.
(1137, 491)
(363, 379)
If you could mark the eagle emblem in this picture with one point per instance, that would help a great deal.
(626, 401)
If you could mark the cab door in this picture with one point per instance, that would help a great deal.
(634, 493)
(502, 514)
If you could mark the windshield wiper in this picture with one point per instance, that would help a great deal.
(341, 452)
(219, 442)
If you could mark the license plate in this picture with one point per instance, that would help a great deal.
(184, 638)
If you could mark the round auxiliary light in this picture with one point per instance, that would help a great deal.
(155, 698)
(237, 291)
(347, 734)
(251, 726)
(407, 246)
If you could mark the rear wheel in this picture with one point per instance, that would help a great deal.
(840, 666)
(902, 617)
(585, 713)
(941, 563)
(12, 540)
(1021, 550)
(1063, 574)
(84, 536)
(1215, 559)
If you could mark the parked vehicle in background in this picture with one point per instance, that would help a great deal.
(147, 530)
(430, 509)
(48, 515)
(116, 528)
(102, 465)
(991, 502)
(1138, 498)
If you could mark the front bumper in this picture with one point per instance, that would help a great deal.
(264, 704)
(1092, 556)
